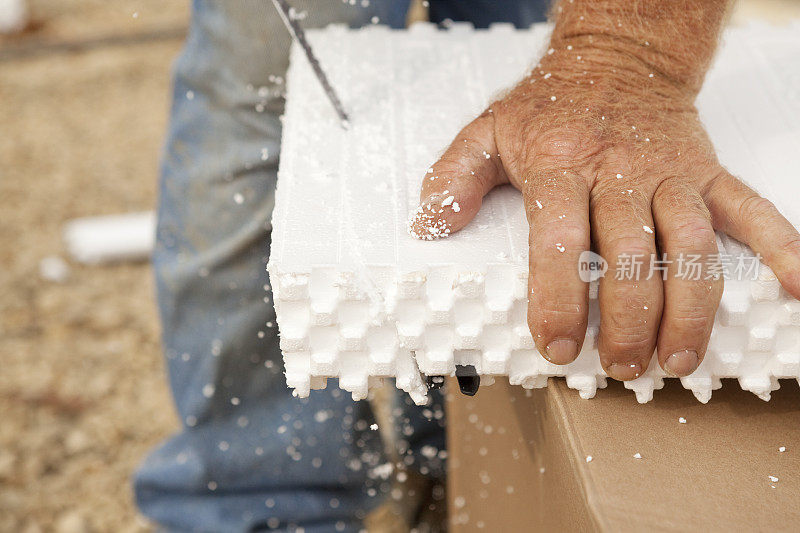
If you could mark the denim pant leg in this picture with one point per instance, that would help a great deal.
(249, 455)
(521, 13)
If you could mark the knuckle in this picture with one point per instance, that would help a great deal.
(630, 311)
(622, 345)
(628, 324)
(549, 326)
(559, 144)
(626, 245)
(670, 192)
(550, 234)
(567, 146)
(755, 207)
(790, 245)
(694, 232)
(692, 320)
(558, 309)
(472, 147)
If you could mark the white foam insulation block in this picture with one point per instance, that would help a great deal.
(357, 298)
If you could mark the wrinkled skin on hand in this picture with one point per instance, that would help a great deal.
(612, 156)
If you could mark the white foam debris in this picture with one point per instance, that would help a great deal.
(681, 420)
(429, 451)
(773, 479)
(382, 471)
(358, 299)
(637, 455)
(589, 458)
(53, 268)
(782, 449)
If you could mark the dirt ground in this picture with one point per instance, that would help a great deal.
(82, 389)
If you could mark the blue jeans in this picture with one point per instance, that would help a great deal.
(249, 456)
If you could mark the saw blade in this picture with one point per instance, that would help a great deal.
(284, 10)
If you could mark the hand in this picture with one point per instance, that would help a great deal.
(607, 151)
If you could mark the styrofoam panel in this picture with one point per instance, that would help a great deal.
(359, 299)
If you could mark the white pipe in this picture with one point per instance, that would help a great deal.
(105, 239)
(13, 15)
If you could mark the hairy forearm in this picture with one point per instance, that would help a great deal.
(672, 39)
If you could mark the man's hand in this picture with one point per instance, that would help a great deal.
(605, 143)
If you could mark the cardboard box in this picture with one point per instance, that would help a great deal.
(518, 460)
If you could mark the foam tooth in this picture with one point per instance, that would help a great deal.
(521, 285)
(643, 387)
(532, 382)
(322, 314)
(324, 364)
(522, 339)
(469, 285)
(585, 384)
(382, 363)
(733, 308)
(701, 387)
(291, 287)
(298, 373)
(766, 287)
(790, 313)
(461, 27)
(296, 341)
(762, 338)
(787, 364)
(496, 362)
(353, 375)
(761, 385)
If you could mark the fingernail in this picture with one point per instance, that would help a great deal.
(624, 371)
(561, 351)
(681, 363)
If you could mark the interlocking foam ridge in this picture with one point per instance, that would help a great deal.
(358, 299)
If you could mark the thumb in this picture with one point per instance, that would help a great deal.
(454, 187)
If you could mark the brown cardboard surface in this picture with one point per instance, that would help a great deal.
(518, 460)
